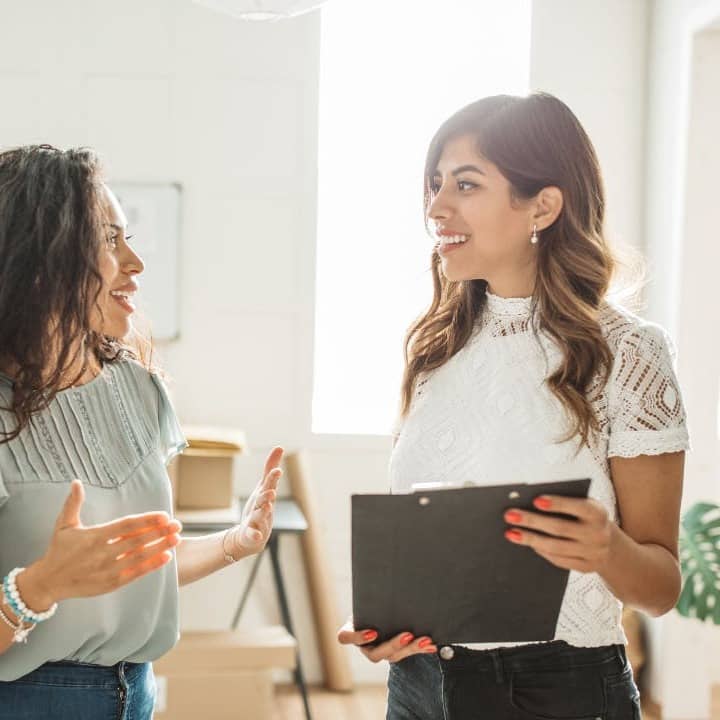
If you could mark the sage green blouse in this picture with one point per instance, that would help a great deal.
(116, 434)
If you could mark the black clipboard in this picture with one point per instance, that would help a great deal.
(437, 563)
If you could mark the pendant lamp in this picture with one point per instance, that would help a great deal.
(262, 9)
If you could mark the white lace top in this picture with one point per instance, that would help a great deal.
(487, 416)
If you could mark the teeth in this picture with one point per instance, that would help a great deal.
(453, 239)
(118, 293)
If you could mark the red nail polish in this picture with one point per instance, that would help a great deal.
(513, 534)
(542, 502)
(369, 635)
(424, 642)
(406, 638)
(513, 516)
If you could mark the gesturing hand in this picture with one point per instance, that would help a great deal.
(253, 532)
(584, 544)
(84, 561)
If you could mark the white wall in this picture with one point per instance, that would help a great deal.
(672, 27)
(593, 56)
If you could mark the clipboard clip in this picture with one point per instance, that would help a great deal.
(429, 486)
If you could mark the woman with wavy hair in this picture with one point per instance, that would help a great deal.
(523, 370)
(90, 557)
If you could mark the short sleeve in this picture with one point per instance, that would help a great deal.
(647, 416)
(4, 495)
(171, 438)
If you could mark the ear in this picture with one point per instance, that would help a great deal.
(548, 205)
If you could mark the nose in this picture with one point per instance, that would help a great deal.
(132, 263)
(439, 208)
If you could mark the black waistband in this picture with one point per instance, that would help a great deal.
(551, 655)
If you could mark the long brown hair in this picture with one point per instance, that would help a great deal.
(51, 235)
(535, 142)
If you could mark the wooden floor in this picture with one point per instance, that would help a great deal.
(367, 702)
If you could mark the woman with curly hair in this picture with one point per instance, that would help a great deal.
(90, 556)
(523, 370)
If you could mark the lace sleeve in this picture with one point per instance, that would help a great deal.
(646, 411)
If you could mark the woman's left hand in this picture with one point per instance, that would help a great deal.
(253, 532)
(584, 543)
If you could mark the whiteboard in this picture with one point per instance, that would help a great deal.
(153, 216)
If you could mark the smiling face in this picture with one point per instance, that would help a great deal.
(483, 232)
(119, 267)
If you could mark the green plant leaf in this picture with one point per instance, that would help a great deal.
(700, 562)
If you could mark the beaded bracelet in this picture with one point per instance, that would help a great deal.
(13, 599)
(20, 632)
(229, 559)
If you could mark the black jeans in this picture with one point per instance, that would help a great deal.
(549, 681)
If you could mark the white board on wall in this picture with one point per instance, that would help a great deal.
(153, 216)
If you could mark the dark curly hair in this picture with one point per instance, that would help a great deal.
(51, 236)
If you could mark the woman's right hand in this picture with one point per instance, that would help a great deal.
(393, 650)
(86, 561)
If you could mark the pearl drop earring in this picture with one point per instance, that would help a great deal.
(534, 236)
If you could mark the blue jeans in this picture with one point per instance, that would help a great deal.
(77, 691)
(552, 681)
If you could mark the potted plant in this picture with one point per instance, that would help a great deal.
(700, 562)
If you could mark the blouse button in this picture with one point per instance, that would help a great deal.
(446, 652)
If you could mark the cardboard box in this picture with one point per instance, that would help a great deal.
(222, 675)
(202, 477)
(215, 438)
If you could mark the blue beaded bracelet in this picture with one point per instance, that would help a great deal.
(13, 599)
(10, 602)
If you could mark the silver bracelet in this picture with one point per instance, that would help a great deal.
(20, 632)
(229, 559)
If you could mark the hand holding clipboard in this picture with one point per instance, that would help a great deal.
(437, 563)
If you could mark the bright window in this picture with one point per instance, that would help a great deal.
(391, 73)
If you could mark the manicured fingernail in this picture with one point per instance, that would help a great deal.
(424, 642)
(513, 535)
(542, 502)
(513, 516)
(406, 638)
(369, 635)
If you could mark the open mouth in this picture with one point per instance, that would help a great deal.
(450, 243)
(124, 299)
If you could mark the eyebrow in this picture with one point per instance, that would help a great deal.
(464, 168)
(117, 227)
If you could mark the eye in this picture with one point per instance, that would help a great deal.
(112, 241)
(465, 185)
